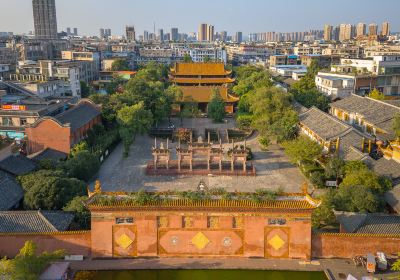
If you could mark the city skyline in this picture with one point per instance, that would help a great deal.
(236, 17)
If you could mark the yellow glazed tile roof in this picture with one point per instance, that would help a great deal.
(213, 68)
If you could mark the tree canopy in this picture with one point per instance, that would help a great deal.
(133, 120)
(305, 91)
(28, 265)
(120, 64)
(216, 107)
(50, 189)
(376, 94)
(302, 149)
(81, 213)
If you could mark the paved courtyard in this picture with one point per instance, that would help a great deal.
(128, 174)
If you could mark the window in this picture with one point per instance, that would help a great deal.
(7, 121)
(125, 220)
(22, 121)
(276, 221)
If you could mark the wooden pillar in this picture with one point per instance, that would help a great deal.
(220, 165)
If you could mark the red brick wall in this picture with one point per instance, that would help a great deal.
(76, 243)
(349, 245)
(48, 134)
(248, 239)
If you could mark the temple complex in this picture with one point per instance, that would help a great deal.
(198, 80)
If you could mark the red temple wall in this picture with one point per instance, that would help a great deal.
(196, 237)
(338, 245)
(74, 243)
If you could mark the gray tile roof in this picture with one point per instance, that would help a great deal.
(18, 165)
(78, 116)
(300, 109)
(372, 223)
(49, 154)
(10, 191)
(392, 198)
(35, 221)
(373, 111)
(388, 168)
(324, 125)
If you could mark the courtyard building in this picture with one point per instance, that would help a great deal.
(63, 131)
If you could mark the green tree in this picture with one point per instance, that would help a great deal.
(305, 91)
(187, 58)
(396, 265)
(335, 168)
(83, 165)
(82, 214)
(120, 65)
(49, 189)
(207, 59)
(85, 90)
(367, 178)
(133, 120)
(396, 125)
(77, 148)
(376, 94)
(357, 198)
(302, 149)
(273, 115)
(216, 106)
(28, 265)
(323, 215)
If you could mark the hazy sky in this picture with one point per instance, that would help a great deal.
(231, 15)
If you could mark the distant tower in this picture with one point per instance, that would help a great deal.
(75, 31)
(68, 30)
(161, 35)
(130, 33)
(385, 29)
(202, 34)
(45, 19)
(210, 33)
(373, 29)
(327, 32)
(239, 37)
(174, 34)
(361, 29)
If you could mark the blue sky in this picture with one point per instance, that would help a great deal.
(231, 15)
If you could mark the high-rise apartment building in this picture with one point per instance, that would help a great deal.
(202, 33)
(145, 35)
(361, 29)
(239, 37)
(174, 34)
(101, 32)
(130, 33)
(345, 32)
(327, 32)
(372, 29)
(335, 33)
(223, 36)
(68, 30)
(45, 19)
(210, 33)
(160, 35)
(385, 29)
(75, 31)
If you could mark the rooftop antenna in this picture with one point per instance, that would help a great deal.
(154, 26)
